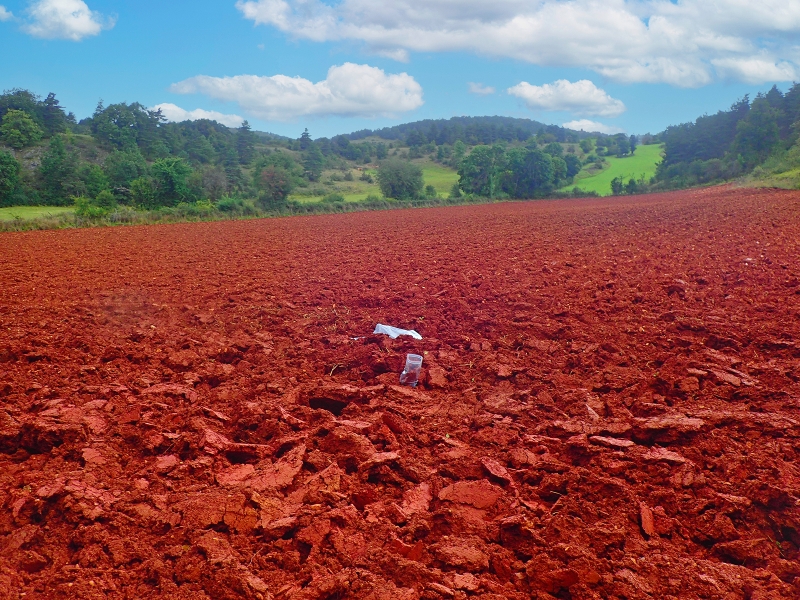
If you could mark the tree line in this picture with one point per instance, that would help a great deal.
(730, 143)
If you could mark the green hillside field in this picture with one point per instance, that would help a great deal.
(440, 177)
(642, 163)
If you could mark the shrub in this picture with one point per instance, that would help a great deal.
(334, 197)
(236, 205)
(400, 179)
(86, 208)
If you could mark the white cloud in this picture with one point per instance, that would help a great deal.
(581, 98)
(755, 70)
(5, 14)
(592, 127)
(480, 89)
(349, 90)
(625, 40)
(177, 115)
(65, 19)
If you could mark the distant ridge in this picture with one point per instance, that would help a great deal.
(476, 129)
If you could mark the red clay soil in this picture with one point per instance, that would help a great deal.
(610, 404)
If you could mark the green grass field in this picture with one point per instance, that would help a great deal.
(439, 177)
(433, 174)
(32, 212)
(642, 163)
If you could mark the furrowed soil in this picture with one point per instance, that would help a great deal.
(609, 405)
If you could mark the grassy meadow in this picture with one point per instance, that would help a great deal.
(642, 163)
(440, 177)
(26, 213)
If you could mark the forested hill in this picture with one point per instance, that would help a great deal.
(750, 135)
(470, 130)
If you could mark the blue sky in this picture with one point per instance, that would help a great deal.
(336, 67)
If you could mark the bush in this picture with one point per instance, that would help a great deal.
(400, 179)
(430, 192)
(234, 205)
(86, 208)
(334, 197)
(349, 176)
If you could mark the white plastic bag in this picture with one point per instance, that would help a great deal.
(394, 332)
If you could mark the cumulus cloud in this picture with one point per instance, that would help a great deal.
(593, 127)
(581, 98)
(65, 19)
(349, 90)
(5, 14)
(755, 70)
(176, 114)
(624, 40)
(480, 89)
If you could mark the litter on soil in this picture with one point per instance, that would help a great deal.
(411, 372)
(395, 332)
(609, 405)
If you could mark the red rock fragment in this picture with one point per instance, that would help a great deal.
(496, 470)
(609, 442)
(213, 442)
(417, 500)
(437, 377)
(442, 590)
(646, 520)
(466, 581)
(164, 464)
(462, 554)
(481, 494)
(379, 458)
(658, 454)
(411, 552)
(281, 474)
(93, 457)
(727, 378)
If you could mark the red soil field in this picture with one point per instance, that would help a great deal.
(609, 407)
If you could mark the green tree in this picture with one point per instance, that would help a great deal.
(586, 145)
(574, 165)
(123, 166)
(633, 143)
(480, 172)
(170, 176)
(19, 130)
(305, 140)
(554, 149)
(313, 162)
(617, 186)
(55, 121)
(757, 135)
(274, 184)
(9, 177)
(58, 173)
(93, 178)
(245, 143)
(233, 171)
(459, 151)
(529, 173)
(400, 179)
(559, 171)
(124, 126)
(143, 192)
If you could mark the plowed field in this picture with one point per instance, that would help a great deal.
(609, 407)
